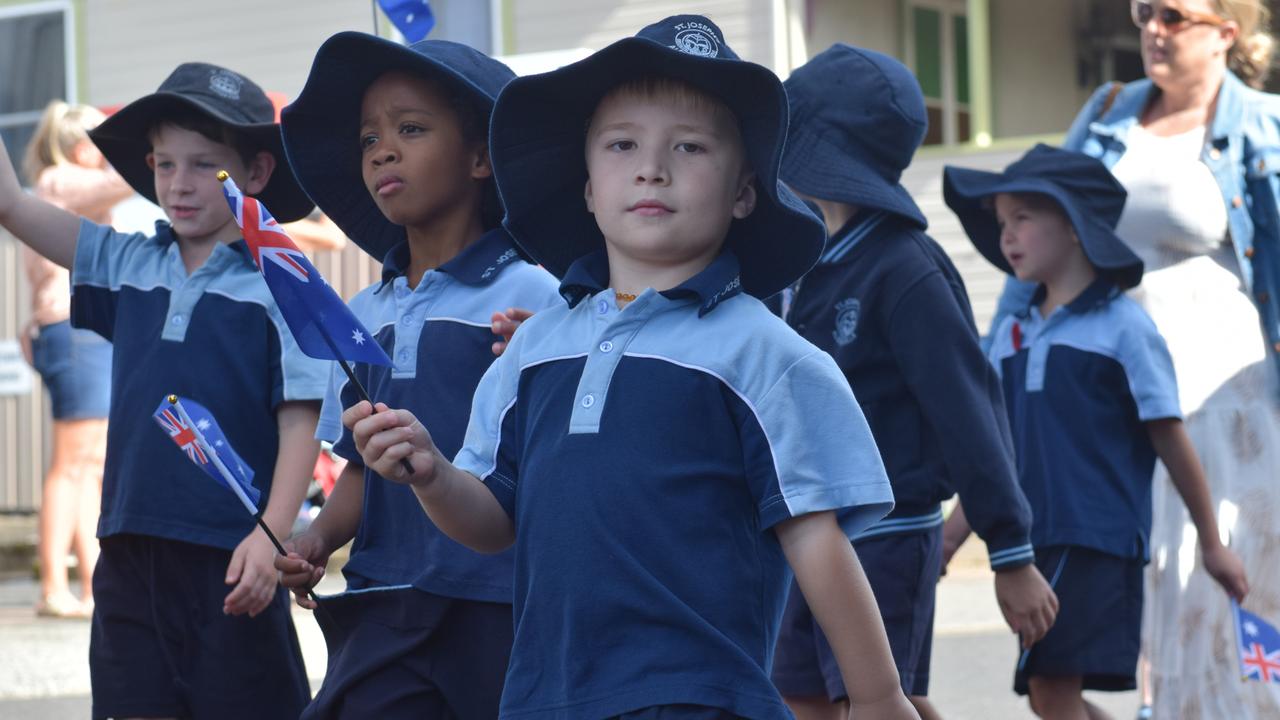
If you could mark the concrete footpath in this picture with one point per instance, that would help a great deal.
(44, 668)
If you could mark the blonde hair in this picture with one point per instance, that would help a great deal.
(1250, 57)
(61, 128)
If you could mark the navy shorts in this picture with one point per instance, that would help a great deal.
(903, 572)
(1099, 620)
(405, 653)
(677, 712)
(161, 646)
(75, 366)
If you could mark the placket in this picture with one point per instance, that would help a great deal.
(1038, 346)
(188, 289)
(411, 307)
(614, 331)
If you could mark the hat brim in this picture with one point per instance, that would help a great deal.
(124, 140)
(811, 167)
(321, 129)
(537, 146)
(965, 191)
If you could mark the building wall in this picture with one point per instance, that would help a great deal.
(1033, 67)
(872, 24)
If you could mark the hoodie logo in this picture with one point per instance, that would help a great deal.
(847, 312)
(225, 84)
(696, 39)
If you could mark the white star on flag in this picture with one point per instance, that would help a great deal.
(203, 424)
(357, 336)
(1250, 627)
(218, 444)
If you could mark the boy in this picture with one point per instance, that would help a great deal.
(188, 313)
(1093, 402)
(660, 446)
(391, 142)
(883, 300)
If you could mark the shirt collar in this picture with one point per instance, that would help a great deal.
(854, 231)
(479, 263)
(1100, 292)
(714, 284)
(165, 237)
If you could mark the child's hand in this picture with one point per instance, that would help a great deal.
(506, 324)
(1027, 602)
(303, 567)
(252, 573)
(388, 436)
(1225, 567)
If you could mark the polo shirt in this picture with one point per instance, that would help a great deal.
(887, 304)
(1080, 385)
(438, 334)
(215, 336)
(643, 456)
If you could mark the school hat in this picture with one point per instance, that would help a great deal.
(223, 96)
(322, 127)
(538, 135)
(1081, 185)
(857, 118)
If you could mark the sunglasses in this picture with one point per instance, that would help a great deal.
(1171, 19)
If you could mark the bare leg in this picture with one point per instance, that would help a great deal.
(89, 473)
(925, 708)
(812, 707)
(1061, 698)
(77, 444)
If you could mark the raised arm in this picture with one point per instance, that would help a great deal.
(456, 501)
(43, 227)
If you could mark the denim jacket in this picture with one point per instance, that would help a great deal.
(1243, 152)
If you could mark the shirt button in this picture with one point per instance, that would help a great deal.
(606, 346)
(588, 400)
(406, 320)
(178, 320)
(1215, 153)
(602, 307)
(1236, 202)
(1248, 252)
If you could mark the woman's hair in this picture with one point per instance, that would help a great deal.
(61, 128)
(1250, 57)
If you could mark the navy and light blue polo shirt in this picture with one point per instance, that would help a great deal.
(215, 336)
(438, 334)
(885, 302)
(1079, 385)
(643, 455)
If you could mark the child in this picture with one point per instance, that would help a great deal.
(883, 301)
(1093, 402)
(391, 142)
(188, 313)
(659, 446)
(66, 169)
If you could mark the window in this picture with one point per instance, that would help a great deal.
(938, 48)
(36, 47)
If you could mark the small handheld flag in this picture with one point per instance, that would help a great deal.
(1258, 645)
(413, 18)
(323, 326)
(193, 428)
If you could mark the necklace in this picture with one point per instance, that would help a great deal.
(624, 296)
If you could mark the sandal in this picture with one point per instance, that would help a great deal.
(63, 605)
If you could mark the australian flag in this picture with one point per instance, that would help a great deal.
(1259, 646)
(192, 427)
(323, 326)
(413, 18)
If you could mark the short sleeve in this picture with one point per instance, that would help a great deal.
(807, 448)
(490, 451)
(100, 260)
(1149, 369)
(329, 427)
(299, 377)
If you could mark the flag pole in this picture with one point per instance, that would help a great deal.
(231, 481)
(373, 6)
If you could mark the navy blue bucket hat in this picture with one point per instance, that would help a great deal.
(322, 127)
(221, 95)
(538, 136)
(1082, 186)
(857, 118)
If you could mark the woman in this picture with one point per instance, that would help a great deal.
(1199, 152)
(66, 169)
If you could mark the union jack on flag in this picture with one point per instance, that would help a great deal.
(322, 325)
(182, 434)
(1259, 646)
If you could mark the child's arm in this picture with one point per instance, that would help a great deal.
(837, 592)
(47, 229)
(252, 569)
(1169, 437)
(456, 501)
(334, 527)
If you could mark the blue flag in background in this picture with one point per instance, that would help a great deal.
(1259, 649)
(191, 426)
(413, 18)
